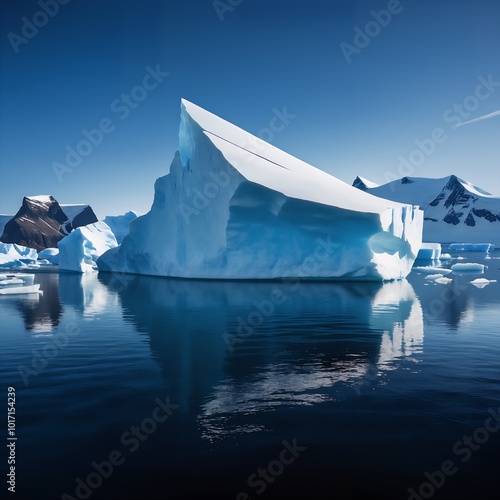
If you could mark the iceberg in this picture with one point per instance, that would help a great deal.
(13, 255)
(80, 250)
(235, 207)
(482, 282)
(468, 267)
(432, 270)
(119, 224)
(429, 251)
(472, 247)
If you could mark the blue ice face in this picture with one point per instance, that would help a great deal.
(186, 142)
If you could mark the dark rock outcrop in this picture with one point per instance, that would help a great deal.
(41, 222)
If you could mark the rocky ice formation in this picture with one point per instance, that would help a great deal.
(41, 222)
(235, 207)
(78, 216)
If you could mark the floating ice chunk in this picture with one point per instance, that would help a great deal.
(431, 270)
(472, 247)
(11, 281)
(443, 280)
(82, 247)
(429, 251)
(482, 282)
(446, 256)
(433, 277)
(468, 267)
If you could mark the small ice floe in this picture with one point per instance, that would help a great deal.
(18, 290)
(482, 282)
(446, 256)
(443, 280)
(433, 277)
(431, 270)
(468, 267)
(11, 282)
(16, 279)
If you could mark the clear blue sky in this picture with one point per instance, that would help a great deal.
(351, 118)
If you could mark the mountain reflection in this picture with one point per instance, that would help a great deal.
(228, 350)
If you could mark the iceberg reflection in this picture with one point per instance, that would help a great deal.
(41, 313)
(315, 344)
(86, 295)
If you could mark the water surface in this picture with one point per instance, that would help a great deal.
(370, 384)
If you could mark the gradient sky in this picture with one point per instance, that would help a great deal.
(351, 118)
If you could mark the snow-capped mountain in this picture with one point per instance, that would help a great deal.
(236, 207)
(455, 210)
(41, 222)
(363, 184)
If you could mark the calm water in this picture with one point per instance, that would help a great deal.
(325, 390)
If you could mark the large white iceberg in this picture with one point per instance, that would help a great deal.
(14, 255)
(80, 250)
(236, 207)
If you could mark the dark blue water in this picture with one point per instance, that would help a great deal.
(198, 389)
